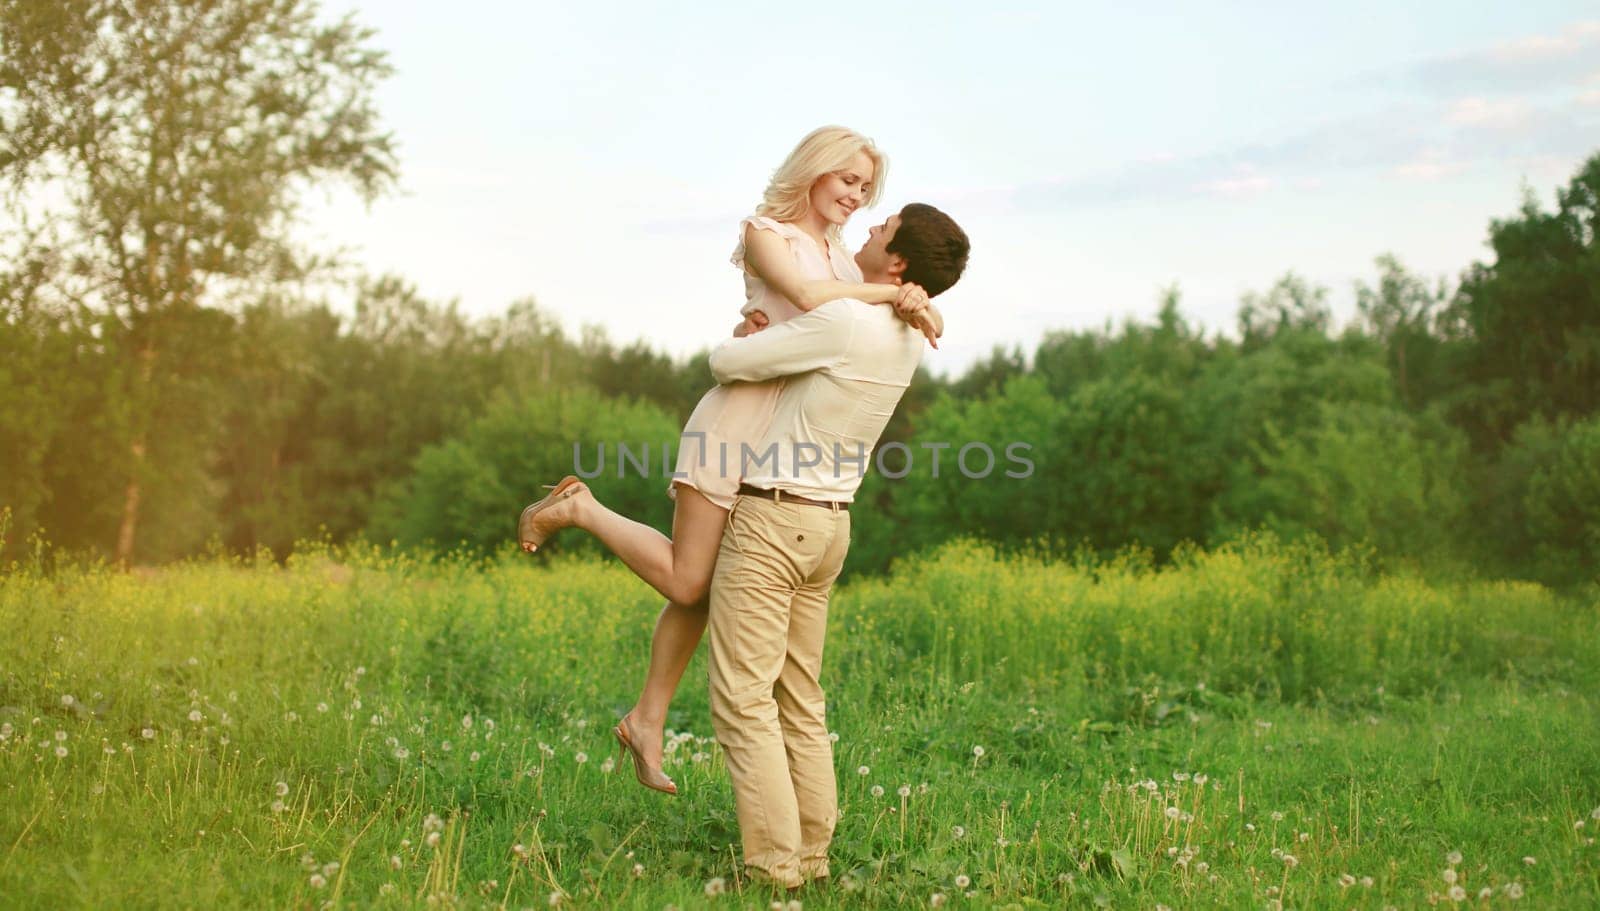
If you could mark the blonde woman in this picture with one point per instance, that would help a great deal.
(793, 261)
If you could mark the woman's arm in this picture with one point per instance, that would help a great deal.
(767, 254)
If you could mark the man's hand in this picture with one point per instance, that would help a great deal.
(752, 324)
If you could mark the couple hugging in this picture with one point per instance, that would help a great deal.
(828, 344)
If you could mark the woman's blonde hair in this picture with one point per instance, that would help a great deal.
(823, 151)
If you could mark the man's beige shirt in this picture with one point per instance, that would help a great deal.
(848, 364)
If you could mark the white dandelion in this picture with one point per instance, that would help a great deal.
(863, 771)
(904, 791)
(877, 790)
(963, 881)
(395, 862)
(959, 832)
(716, 886)
(475, 756)
(978, 751)
(61, 752)
(1454, 857)
(195, 716)
(318, 881)
(281, 789)
(581, 758)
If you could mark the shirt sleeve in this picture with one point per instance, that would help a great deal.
(810, 341)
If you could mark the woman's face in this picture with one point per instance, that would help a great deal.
(837, 195)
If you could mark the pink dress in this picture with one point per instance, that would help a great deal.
(737, 416)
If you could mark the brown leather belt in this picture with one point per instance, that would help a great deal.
(783, 496)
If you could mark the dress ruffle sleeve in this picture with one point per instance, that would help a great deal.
(787, 232)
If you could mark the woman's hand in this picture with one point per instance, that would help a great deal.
(912, 305)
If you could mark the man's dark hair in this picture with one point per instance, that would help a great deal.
(933, 246)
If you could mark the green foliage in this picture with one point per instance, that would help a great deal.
(1366, 473)
(1531, 318)
(1541, 500)
(469, 489)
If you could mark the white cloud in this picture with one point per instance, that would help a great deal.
(1490, 113)
(1240, 186)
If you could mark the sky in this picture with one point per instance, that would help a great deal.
(597, 156)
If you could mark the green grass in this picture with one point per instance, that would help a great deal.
(1273, 699)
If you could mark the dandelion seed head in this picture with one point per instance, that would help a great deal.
(318, 881)
(638, 870)
(1530, 860)
(936, 900)
(281, 789)
(877, 790)
(395, 862)
(716, 886)
(475, 756)
(1454, 858)
(963, 881)
(1173, 812)
(833, 736)
(431, 840)
(61, 736)
(278, 806)
(1457, 894)
(958, 831)
(1367, 882)
(1290, 861)
(1513, 890)
(1449, 875)
(581, 758)
(61, 752)
(978, 751)
(195, 716)
(904, 790)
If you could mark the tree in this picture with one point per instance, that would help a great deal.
(1532, 317)
(1401, 312)
(1291, 304)
(182, 136)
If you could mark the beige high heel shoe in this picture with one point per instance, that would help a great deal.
(654, 779)
(530, 531)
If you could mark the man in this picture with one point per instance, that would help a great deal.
(786, 537)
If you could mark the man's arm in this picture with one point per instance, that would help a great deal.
(810, 341)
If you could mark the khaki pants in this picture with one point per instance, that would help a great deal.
(769, 615)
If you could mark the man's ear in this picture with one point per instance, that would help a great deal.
(896, 267)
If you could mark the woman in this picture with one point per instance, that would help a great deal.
(793, 261)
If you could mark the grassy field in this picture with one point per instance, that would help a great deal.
(1261, 726)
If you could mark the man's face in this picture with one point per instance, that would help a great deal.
(876, 262)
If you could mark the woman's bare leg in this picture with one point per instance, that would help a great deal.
(679, 568)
